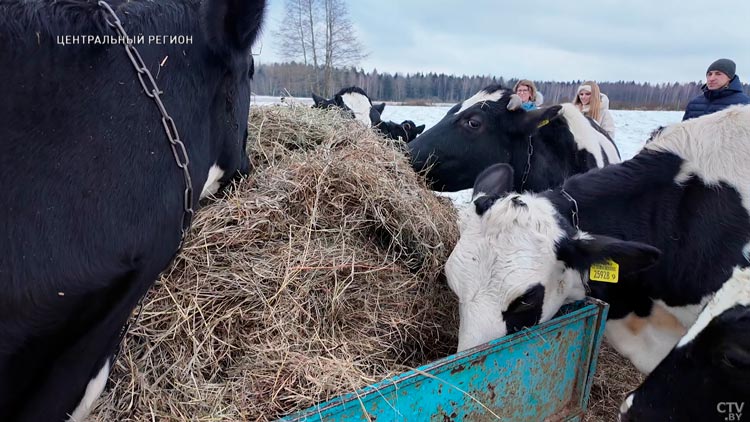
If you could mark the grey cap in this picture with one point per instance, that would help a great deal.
(724, 66)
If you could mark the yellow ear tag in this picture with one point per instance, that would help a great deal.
(544, 122)
(608, 272)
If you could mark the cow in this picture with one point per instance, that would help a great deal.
(96, 195)
(355, 101)
(407, 130)
(543, 146)
(707, 375)
(675, 219)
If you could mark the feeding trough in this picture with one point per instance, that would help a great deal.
(539, 374)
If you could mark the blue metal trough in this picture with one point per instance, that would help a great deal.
(539, 374)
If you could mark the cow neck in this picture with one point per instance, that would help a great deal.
(152, 91)
(541, 161)
(573, 208)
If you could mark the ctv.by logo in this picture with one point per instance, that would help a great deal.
(732, 411)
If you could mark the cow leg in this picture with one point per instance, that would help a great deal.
(645, 341)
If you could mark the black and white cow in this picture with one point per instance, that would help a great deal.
(354, 100)
(676, 218)
(706, 377)
(407, 130)
(92, 194)
(543, 146)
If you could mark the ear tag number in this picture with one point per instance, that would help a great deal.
(607, 272)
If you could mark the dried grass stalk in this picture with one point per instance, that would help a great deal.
(615, 378)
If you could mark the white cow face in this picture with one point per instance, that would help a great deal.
(518, 261)
(505, 272)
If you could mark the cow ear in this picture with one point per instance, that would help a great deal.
(514, 103)
(380, 107)
(232, 25)
(491, 184)
(532, 120)
(420, 129)
(585, 250)
(318, 100)
(375, 117)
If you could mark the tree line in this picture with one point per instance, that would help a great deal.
(281, 79)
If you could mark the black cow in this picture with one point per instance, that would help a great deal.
(354, 100)
(675, 218)
(543, 146)
(407, 131)
(93, 197)
(706, 377)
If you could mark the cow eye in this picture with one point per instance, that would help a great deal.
(473, 123)
(520, 305)
(532, 299)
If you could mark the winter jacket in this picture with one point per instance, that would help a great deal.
(712, 101)
(533, 105)
(605, 117)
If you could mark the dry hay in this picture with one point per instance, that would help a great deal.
(317, 275)
(615, 378)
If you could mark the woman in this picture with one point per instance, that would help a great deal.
(529, 95)
(594, 104)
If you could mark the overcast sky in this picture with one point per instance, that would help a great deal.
(604, 40)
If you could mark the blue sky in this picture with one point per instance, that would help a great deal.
(604, 40)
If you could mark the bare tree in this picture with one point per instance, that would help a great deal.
(319, 33)
(296, 36)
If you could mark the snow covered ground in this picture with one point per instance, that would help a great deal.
(632, 128)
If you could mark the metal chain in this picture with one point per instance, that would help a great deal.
(575, 208)
(152, 91)
(528, 164)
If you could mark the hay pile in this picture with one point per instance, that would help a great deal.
(615, 378)
(317, 275)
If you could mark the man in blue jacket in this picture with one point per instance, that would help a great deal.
(722, 89)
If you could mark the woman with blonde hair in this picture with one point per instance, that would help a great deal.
(594, 104)
(531, 98)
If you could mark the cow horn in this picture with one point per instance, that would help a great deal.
(514, 103)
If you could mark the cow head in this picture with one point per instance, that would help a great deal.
(320, 102)
(230, 28)
(518, 259)
(411, 130)
(406, 130)
(481, 131)
(710, 365)
(355, 101)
